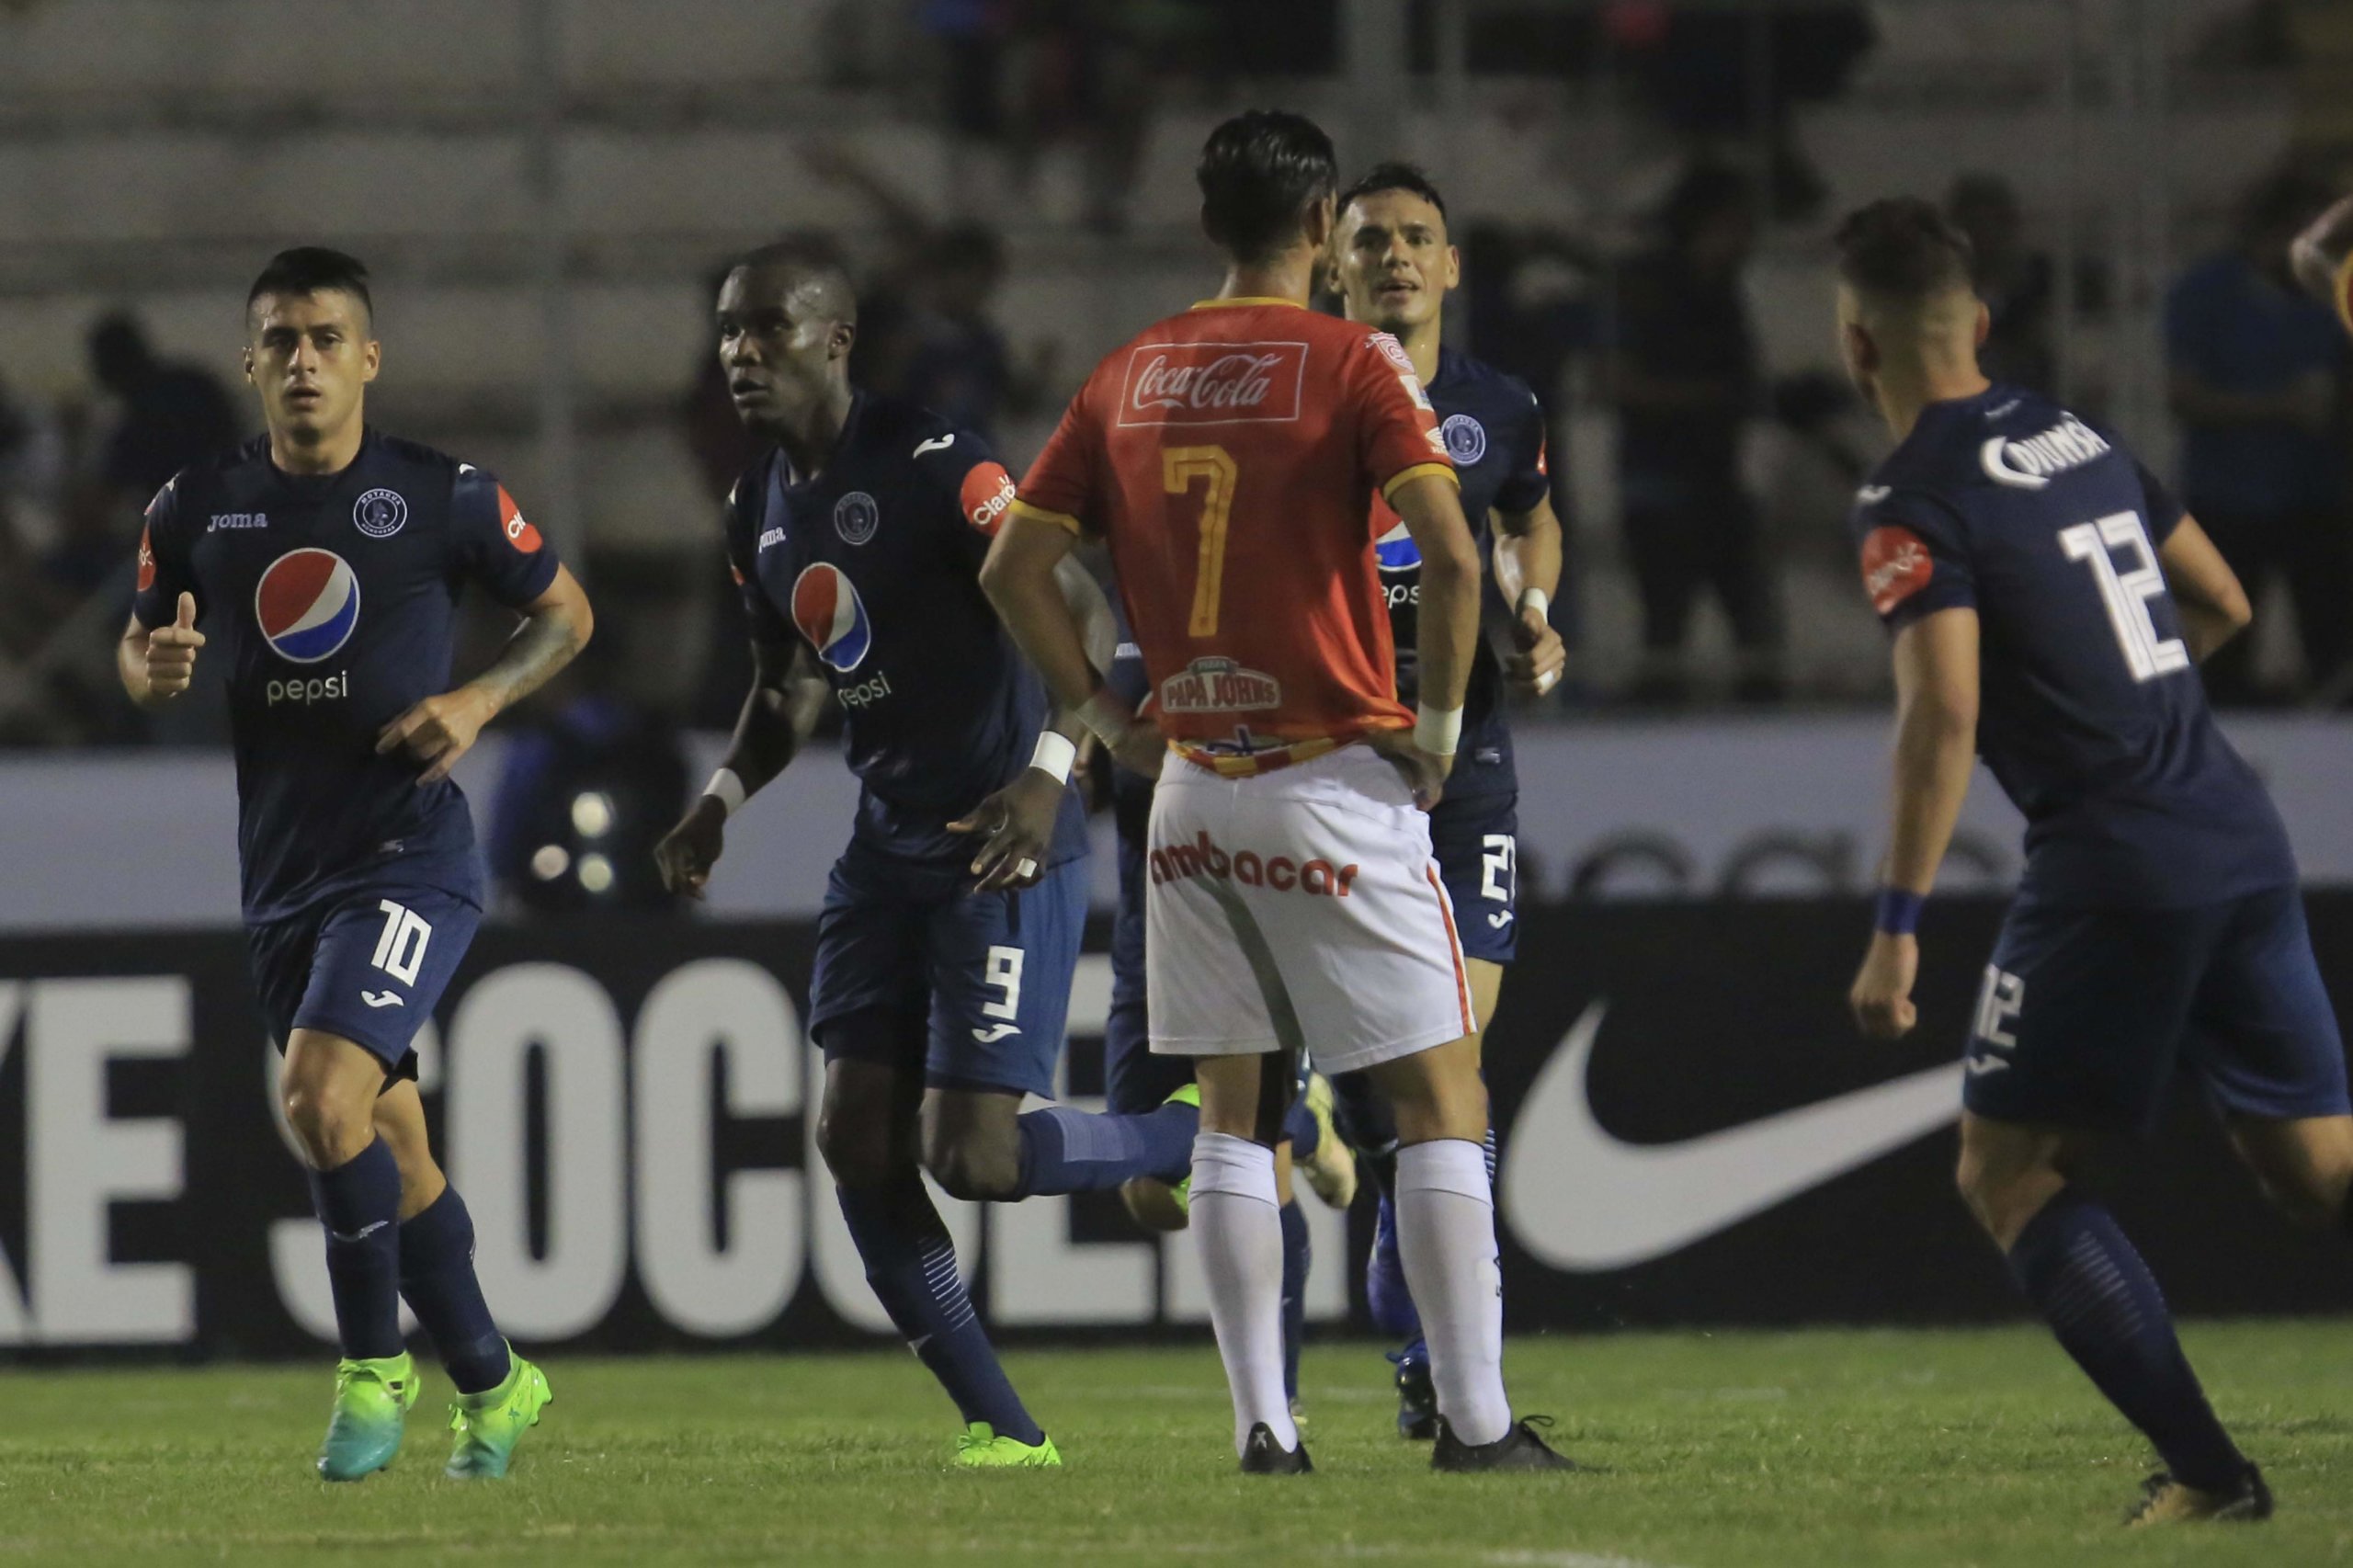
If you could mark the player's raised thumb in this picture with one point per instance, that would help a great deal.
(187, 621)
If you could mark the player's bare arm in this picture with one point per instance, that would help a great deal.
(2323, 255)
(779, 714)
(1936, 747)
(1527, 571)
(440, 730)
(1431, 506)
(2213, 605)
(1019, 818)
(1020, 577)
(157, 666)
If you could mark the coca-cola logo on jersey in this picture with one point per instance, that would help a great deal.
(1213, 383)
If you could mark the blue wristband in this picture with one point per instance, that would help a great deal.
(1899, 911)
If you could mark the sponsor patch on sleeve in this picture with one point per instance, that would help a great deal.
(512, 523)
(146, 560)
(1896, 565)
(1544, 456)
(986, 496)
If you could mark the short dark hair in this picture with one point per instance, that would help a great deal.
(311, 269)
(1394, 175)
(1258, 172)
(1903, 248)
(805, 261)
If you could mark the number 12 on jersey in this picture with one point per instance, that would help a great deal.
(2127, 594)
(1179, 467)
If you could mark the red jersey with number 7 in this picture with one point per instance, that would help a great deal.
(1225, 455)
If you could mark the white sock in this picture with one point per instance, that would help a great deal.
(1240, 1232)
(1445, 1237)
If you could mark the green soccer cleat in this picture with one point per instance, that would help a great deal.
(981, 1449)
(491, 1422)
(371, 1399)
(1182, 1192)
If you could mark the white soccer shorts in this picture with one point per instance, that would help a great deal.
(1299, 907)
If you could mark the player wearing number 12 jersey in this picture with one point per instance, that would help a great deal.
(325, 558)
(2048, 603)
(1226, 454)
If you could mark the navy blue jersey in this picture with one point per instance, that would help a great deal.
(875, 562)
(328, 599)
(1495, 432)
(2091, 714)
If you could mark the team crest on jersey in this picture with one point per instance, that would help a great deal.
(1220, 686)
(827, 609)
(1466, 439)
(379, 514)
(307, 604)
(1213, 383)
(855, 517)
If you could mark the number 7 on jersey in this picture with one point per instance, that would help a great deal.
(1179, 467)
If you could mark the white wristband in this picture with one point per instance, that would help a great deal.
(1107, 717)
(1054, 756)
(1535, 599)
(727, 789)
(1437, 729)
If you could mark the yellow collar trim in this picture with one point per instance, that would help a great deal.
(1244, 300)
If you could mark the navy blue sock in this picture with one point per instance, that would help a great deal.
(1299, 1126)
(1295, 1259)
(1063, 1150)
(359, 1202)
(438, 1278)
(911, 1263)
(2098, 1296)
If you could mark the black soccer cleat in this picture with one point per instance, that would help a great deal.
(1261, 1455)
(2164, 1501)
(1519, 1449)
(1416, 1400)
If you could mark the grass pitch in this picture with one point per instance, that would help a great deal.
(1746, 1450)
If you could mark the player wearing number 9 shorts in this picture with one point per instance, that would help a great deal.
(323, 561)
(2050, 603)
(1293, 904)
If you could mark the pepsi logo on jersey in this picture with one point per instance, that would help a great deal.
(828, 611)
(307, 603)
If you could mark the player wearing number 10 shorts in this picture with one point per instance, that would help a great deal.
(325, 560)
(1293, 904)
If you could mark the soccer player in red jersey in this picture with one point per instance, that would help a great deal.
(1225, 455)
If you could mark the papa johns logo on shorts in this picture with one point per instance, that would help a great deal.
(307, 604)
(379, 514)
(827, 609)
(1466, 439)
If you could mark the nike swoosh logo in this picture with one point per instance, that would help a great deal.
(937, 444)
(995, 1033)
(383, 999)
(1582, 1200)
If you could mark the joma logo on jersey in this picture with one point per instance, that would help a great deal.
(1213, 383)
(770, 537)
(1220, 686)
(238, 520)
(2028, 464)
(1317, 878)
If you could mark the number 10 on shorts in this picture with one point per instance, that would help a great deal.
(400, 951)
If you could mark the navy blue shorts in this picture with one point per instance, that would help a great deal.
(2087, 1015)
(368, 965)
(915, 969)
(1476, 839)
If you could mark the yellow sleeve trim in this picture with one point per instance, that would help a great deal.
(1419, 471)
(1021, 508)
(2344, 291)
